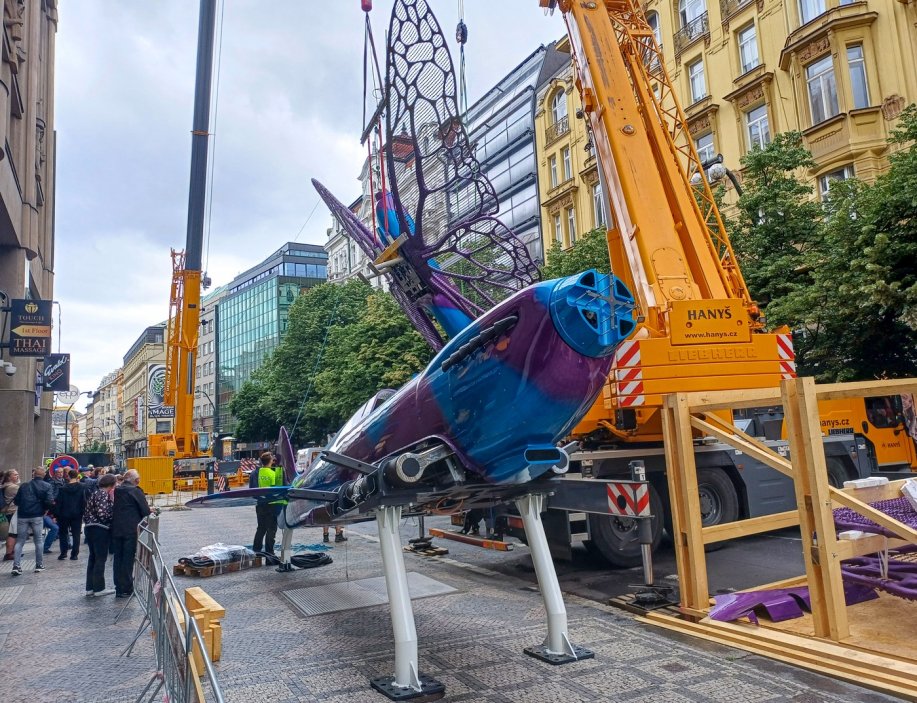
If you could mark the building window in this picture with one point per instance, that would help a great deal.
(652, 19)
(757, 127)
(690, 10)
(571, 224)
(552, 165)
(559, 106)
(568, 165)
(858, 82)
(748, 48)
(696, 79)
(704, 146)
(598, 205)
(822, 89)
(558, 230)
(841, 174)
(810, 9)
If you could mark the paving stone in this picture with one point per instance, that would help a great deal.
(472, 640)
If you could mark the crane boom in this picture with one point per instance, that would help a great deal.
(185, 298)
(700, 329)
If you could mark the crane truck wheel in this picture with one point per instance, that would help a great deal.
(719, 501)
(837, 471)
(615, 538)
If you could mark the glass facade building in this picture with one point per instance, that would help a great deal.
(252, 317)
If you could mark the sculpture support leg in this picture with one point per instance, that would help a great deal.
(407, 682)
(286, 551)
(556, 648)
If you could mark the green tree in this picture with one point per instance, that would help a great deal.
(840, 272)
(777, 224)
(588, 252)
(343, 343)
(256, 417)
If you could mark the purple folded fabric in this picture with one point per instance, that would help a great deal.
(897, 508)
(778, 604)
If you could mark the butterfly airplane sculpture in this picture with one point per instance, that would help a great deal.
(518, 363)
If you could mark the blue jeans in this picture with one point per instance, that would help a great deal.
(22, 535)
(52, 532)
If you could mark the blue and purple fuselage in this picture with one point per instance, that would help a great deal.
(499, 395)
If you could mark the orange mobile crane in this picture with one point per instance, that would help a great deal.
(699, 329)
(185, 299)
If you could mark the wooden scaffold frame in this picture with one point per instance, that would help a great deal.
(827, 646)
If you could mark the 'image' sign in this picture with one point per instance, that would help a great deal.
(57, 373)
(30, 327)
(156, 393)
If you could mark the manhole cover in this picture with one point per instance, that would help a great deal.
(349, 595)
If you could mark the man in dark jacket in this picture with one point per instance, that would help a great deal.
(69, 508)
(33, 500)
(129, 509)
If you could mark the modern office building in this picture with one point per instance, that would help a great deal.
(839, 71)
(252, 316)
(145, 356)
(205, 371)
(570, 194)
(501, 126)
(27, 177)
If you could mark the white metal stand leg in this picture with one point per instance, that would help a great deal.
(286, 544)
(407, 682)
(556, 648)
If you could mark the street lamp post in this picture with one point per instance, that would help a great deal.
(67, 420)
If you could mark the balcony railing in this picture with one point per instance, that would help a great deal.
(691, 32)
(729, 7)
(558, 129)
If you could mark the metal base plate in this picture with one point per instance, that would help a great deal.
(541, 652)
(348, 595)
(430, 689)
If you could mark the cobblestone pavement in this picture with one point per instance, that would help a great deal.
(65, 647)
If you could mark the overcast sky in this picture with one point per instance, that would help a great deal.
(289, 109)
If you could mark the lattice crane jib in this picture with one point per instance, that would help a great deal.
(671, 230)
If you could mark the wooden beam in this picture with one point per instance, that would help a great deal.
(692, 560)
(886, 491)
(849, 548)
(903, 531)
(865, 669)
(702, 401)
(752, 526)
(734, 437)
(813, 501)
(861, 389)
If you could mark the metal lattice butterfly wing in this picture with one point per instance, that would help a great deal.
(476, 260)
(370, 246)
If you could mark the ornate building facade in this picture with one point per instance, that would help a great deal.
(27, 165)
(839, 71)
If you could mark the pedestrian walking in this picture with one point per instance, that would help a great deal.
(69, 508)
(9, 487)
(33, 500)
(98, 515)
(129, 509)
(266, 476)
(50, 520)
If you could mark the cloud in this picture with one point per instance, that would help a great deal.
(290, 109)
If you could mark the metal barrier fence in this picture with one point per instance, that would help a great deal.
(176, 635)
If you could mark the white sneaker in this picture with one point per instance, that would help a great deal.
(90, 593)
(106, 592)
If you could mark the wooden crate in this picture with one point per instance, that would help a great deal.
(869, 643)
(206, 571)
